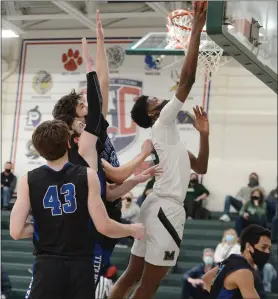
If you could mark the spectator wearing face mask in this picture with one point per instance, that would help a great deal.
(228, 246)
(242, 196)
(193, 286)
(253, 212)
(8, 183)
(195, 195)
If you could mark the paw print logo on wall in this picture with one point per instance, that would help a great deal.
(72, 60)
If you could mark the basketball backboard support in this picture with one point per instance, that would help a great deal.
(247, 31)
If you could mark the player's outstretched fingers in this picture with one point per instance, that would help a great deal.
(196, 111)
(197, 7)
(203, 112)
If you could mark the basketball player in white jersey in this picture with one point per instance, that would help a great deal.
(162, 212)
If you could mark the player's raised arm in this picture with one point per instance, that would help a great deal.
(201, 124)
(102, 68)
(103, 223)
(188, 72)
(119, 174)
(19, 229)
(88, 138)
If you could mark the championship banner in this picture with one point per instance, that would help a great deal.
(50, 69)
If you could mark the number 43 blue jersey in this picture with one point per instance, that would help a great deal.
(62, 224)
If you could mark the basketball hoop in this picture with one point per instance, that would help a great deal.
(179, 31)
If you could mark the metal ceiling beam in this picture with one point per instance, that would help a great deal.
(10, 7)
(75, 13)
(104, 16)
(159, 8)
(10, 26)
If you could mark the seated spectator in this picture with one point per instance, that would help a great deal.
(271, 202)
(193, 285)
(148, 189)
(195, 195)
(268, 275)
(130, 210)
(253, 212)
(229, 245)
(6, 286)
(8, 183)
(242, 196)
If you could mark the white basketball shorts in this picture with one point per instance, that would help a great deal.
(164, 221)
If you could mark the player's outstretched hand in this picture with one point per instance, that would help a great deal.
(148, 173)
(138, 231)
(89, 62)
(100, 34)
(201, 122)
(200, 14)
(147, 147)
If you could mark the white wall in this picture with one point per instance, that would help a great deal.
(243, 117)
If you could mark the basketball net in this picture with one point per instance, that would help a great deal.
(179, 32)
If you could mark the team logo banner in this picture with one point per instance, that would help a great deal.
(43, 81)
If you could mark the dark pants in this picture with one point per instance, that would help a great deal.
(271, 209)
(242, 223)
(274, 230)
(231, 201)
(58, 278)
(196, 293)
(193, 208)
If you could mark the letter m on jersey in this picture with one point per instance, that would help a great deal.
(169, 256)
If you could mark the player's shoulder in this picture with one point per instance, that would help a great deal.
(242, 274)
(91, 173)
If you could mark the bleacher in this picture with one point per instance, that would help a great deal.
(17, 256)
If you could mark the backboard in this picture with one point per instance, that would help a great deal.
(247, 31)
(157, 43)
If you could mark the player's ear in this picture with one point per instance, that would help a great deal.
(249, 247)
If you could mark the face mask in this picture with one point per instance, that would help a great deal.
(161, 106)
(260, 258)
(253, 182)
(254, 198)
(7, 170)
(208, 260)
(230, 238)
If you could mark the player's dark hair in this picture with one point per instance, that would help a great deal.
(66, 118)
(139, 112)
(67, 105)
(252, 235)
(51, 139)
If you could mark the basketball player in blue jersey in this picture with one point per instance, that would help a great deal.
(72, 110)
(64, 199)
(162, 211)
(235, 277)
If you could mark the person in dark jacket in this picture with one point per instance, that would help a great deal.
(195, 195)
(8, 183)
(6, 286)
(193, 285)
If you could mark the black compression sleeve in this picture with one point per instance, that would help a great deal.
(94, 99)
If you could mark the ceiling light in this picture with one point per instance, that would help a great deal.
(8, 33)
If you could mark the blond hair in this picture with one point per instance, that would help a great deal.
(232, 232)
